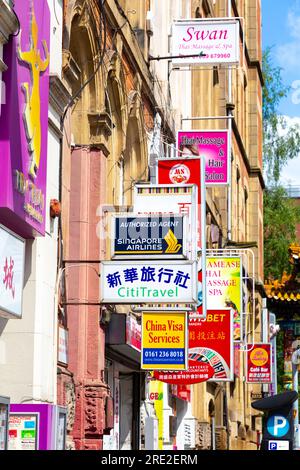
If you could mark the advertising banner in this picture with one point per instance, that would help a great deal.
(258, 364)
(12, 260)
(24, 121)
(273, 385)
(153, 236)
(166, 199)
(128, 282)
(62, 350)
(133, 333)
(23, 432)
(224, 287)
(213, 41)
(212, 144)
(164, 341)
(210, 350)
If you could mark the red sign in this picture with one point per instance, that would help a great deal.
(259, 363)
(210, 350)
(133, 333)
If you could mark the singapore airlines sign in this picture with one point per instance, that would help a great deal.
(212, 41)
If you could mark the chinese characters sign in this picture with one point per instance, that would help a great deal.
(153, 282)
(212, 41)
(224, 287)
(12, 258)
(210, 350)
(164, 341)
(259, 363)
(148, 236)
(24, 121)
(213, 145)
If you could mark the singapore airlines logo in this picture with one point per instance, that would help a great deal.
(32, 113)
(172, 241)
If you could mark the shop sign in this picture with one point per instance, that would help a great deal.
(273, 385)
(210, 350)
(24, 121)
(164, 341)
(138, 236)
(224, 287)
(213, 41)
(212, 145)
(63, 356)
(23, 431)
(133, 333)
(12, 259)
(128, 282)
(258, 364)
(166, 199)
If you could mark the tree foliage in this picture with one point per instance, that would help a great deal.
(281, 143)
(281, 216)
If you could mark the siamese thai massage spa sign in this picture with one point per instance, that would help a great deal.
(152, 236)
(164, 341)
(210, 353)
(24, 121)
(212, 41)
(137, 282)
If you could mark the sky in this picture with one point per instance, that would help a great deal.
(281, 31)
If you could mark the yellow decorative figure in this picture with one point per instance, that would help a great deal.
(32, 113)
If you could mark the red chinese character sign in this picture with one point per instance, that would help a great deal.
(259, 367)
(210, 350)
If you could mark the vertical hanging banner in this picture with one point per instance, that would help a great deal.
(210, 350)
(224, 287)
(164, 341)
(213, 41)
(210, 144)
(258, 366)
(24, 121)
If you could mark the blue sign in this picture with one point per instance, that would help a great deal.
(272, 445)
(278, 426)
(148, 236)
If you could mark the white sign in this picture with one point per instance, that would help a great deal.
(12, 258)
(166, 199)
(212, 41)
(278, 445)
(63, 345)
(138, 282)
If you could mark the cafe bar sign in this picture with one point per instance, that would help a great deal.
(154, 236)
(212, 41)
(137, 282)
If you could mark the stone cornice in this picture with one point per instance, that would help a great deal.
(8, 20)
(59, 95)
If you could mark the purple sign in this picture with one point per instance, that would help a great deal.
(213, 145)
(24, 121)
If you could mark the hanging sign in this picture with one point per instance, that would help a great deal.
(212, 145)
(224, 287)
(259, 365)
(128, 282)
(150, 236)
(213, 41)
(210, 350)
(164, 341)
(166, 199)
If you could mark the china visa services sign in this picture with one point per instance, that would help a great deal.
(164, 341)
(128, 282)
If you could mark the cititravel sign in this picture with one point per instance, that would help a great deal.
(139, 282)
(164, 340)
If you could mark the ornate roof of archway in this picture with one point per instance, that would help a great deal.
(284, 294)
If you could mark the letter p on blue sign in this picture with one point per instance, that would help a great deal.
(272, 445)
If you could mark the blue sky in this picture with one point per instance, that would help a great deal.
(281, 30)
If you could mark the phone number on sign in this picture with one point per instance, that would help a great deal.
(220, 56)
(172, 354)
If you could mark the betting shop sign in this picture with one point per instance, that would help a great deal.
(128, 282)
(151, 236)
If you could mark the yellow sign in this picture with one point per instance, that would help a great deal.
(172, 241)
(164, 341)
(156, 389)
(259, 357)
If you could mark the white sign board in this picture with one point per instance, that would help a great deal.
(212, 41)
(166, 199)
(128, 282)
(62, 345)
(12, 258)
(278, 445)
